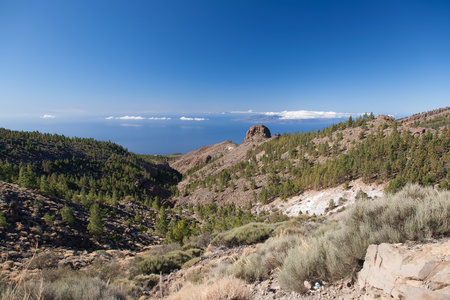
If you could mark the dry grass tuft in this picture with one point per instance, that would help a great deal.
(225, 288)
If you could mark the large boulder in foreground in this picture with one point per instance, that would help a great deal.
(258, 132)
(407, 272)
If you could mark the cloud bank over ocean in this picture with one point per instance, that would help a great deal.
(291, 116)
(306, 114)
(192, 119)
(136, 118)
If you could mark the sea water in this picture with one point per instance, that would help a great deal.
(174, 134)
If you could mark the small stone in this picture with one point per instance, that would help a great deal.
(308, 285)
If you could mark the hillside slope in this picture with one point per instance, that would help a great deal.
(377, 150)
(65, 167)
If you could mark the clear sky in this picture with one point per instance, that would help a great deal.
(70, 58)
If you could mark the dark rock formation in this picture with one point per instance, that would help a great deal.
(258, 131)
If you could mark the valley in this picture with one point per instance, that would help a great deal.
(286, 216)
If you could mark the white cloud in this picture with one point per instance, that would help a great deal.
(306, 114)
(243, 112)
(131, 118)
(109, 118)
(48, 117)
(159, 118)
(192, 119)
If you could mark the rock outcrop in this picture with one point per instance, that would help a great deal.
(427, 114)
(201, 156)
(258, 132)
(407, 272)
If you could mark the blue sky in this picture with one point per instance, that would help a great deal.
(66, 58)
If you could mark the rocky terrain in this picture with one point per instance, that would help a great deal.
(391, 271)
(35, 224)
(37, 242)
(202, 156)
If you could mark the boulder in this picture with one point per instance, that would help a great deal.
(408, 272)
(259, 132)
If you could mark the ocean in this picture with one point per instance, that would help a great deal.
(156, 135)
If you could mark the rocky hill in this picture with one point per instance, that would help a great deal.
(378, 150)
(202, 156)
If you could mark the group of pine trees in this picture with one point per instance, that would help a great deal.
(383, 154)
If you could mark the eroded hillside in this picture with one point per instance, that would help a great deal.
(378, 150)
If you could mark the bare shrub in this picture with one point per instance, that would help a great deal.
(258, 266)
(78, 288)
(68, 288)
(47, 259)
(196, 275)
(224, 288)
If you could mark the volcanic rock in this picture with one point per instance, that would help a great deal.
(401, 271)
(201, 156)
(259, 132)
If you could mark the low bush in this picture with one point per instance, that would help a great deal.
(224, 288)
(271, 255)
(196, 275)
(190, 262)
(146, 281)
(200, 241)
(163, 263)
(67, 288)
(194, 252)
(44, 260)
(3, 222)
(245, 235)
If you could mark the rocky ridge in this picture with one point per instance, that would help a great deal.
(202, 156)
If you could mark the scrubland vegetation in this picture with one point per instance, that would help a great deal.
(97, 175)
(336, 249)
(303, 248)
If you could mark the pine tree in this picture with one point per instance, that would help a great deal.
(180, 231)
(95, 226)
(161, 225)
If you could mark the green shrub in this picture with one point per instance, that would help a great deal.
(190, 262)
(177, 258)
(258, 265)
(302, 225)
(152, 264)
(415, 213)
(194, 252)
(245, 235)
(66, 215)
(163, 263)
(49, 219)
(146, 281)
(3, 222)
